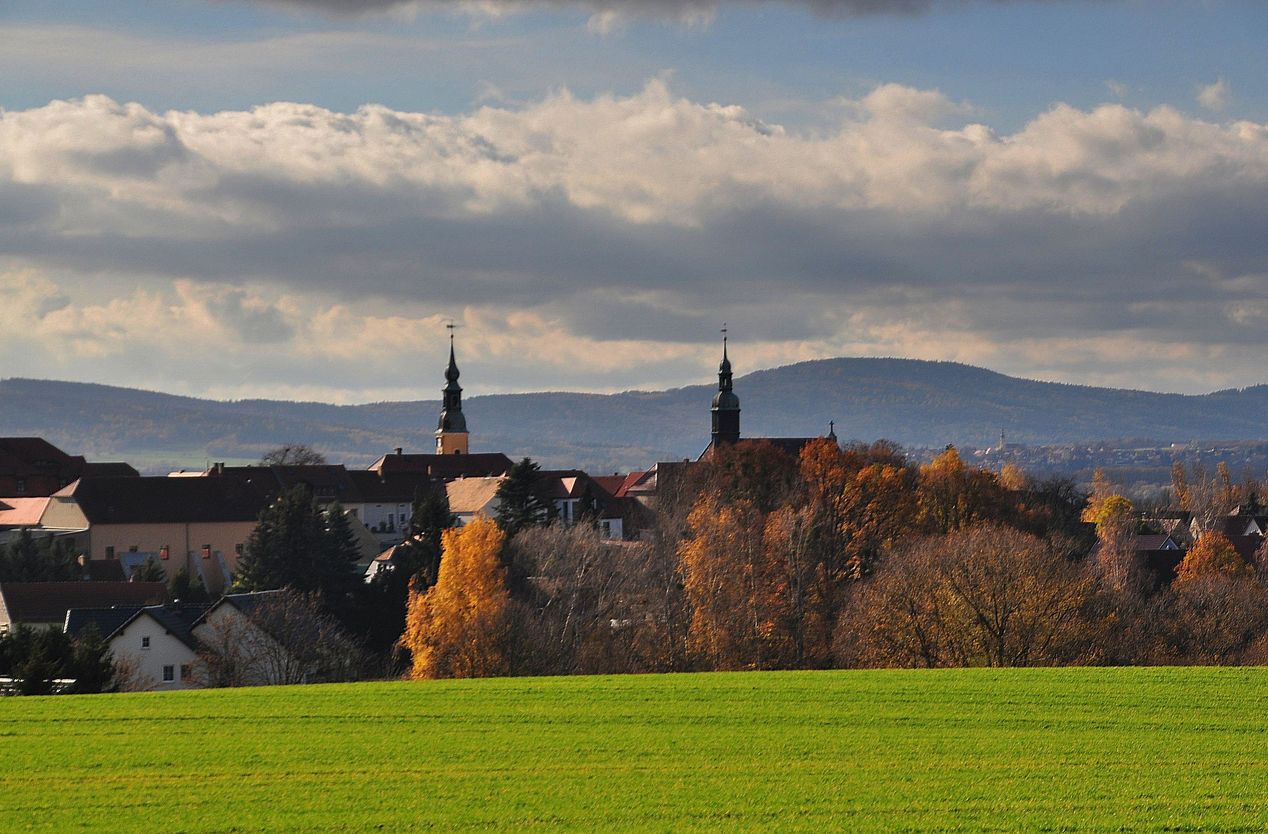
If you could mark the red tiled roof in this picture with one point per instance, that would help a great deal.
(610, 483)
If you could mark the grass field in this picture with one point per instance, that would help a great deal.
(1085, 749)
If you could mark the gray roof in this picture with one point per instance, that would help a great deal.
(177, 619)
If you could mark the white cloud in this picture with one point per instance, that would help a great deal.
(1215, 97)
(595, 242)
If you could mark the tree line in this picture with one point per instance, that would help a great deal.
(849, 557)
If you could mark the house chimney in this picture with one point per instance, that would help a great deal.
(219, 467)
(399, 451)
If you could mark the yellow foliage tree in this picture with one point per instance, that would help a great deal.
(1012, 477)
(953, 496)
(1212, 555)
(457, 628)
(736, 586)
(1112, 515)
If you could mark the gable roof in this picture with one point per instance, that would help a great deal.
(246, 603)
(327, 481)
(22, 512)
(157, 500)
(106, 620)
(788, 445)
(22, 452)
(481, 465)
(1154, 541)
(394, 487)
(108, 469)
(177, 620)
(471, 495)
(611, 483)
(48, 602)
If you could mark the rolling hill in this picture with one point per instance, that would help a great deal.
(916, 403)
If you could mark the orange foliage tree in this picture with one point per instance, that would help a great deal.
(457, 628)
(1212, 555)
(878, 506)
(953, 496)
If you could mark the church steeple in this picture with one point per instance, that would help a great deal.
(451, 430)
(726, 406)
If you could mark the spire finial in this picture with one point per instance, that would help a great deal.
(451, 372)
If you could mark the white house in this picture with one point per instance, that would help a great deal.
(154, 643)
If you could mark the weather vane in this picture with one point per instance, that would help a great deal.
(451, 326)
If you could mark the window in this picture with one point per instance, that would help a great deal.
(169, 674)
(239, 548)
(110, 552)
(402, 518)
(206, 551)
(134, 548)
(21, 487)
(165, 553)
(145, 642)
(186, 672)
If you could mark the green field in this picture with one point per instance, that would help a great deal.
(1085, 749)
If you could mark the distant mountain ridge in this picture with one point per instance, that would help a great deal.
(914, 402)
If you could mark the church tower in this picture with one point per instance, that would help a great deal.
(726, 406)
(451, 431)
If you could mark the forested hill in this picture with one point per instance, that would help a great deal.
(914, 402)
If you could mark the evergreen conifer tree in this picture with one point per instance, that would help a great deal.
(91, 663)
(519, 504)
(299, 545)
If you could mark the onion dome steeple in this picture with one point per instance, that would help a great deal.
(726, 406)
(451, 429)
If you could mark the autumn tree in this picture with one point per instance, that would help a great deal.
(382, 602)
(877, 508)
(983, 596)
(1212, 555)
(1013, 478)
(457, 628)
(754, 472)
(736, 590)
(1052, 509)
(579, 611)
(953, 496)
(1206, 496)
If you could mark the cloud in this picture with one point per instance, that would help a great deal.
(1215, 97)
(606, 15)
(597, 242)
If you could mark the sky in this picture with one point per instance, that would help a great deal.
(291, 198)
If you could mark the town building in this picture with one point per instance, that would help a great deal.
(199, 524)
(44, 604)
(155, 644)
(33, 467)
